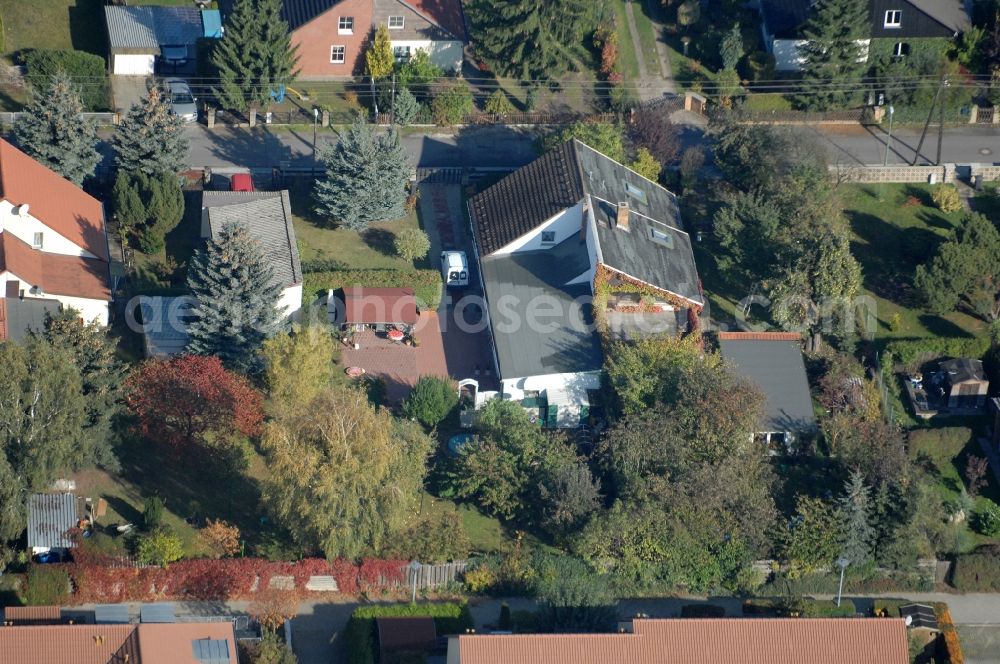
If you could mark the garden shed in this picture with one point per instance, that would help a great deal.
(50, 518)
(965, 382)
(137, 36)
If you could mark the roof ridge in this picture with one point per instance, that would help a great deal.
(760, 336)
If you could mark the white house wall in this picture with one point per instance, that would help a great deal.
(447, 55)
(565, 225)
(514, 388)
(787, 53)
(90, 309)
(130, 64)
(24, 228)
(290, 302)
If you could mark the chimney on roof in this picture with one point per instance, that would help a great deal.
(621, 221)
(22, 210)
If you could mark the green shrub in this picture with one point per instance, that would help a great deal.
(43, 63)
(425, 283)
(431, 400)
(360, 633)
(986, 519)
(411, 244)
(451, 105)
(47, 586)
(940, 445)
(911, 353)
(946, 198)
(810, 608)
(978, 571)
(827, 608)
(702, 611)
(160, 547)
(152, 513)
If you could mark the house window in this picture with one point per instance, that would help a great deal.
(396, 22)
(337, 54)
(346, 25)
(661, 238)
(635, 192)
(900, 50)
(401, 53)
(894, 18)
(548, 237)
(37, 242)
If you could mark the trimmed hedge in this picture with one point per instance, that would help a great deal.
(703, 611)
(426, 284)
(362, 637)
(808, 608)
(978, 571)
(911, 353)
(86, 69)
(48, 585)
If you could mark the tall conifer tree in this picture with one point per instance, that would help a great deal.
(834, 53)
(150, 139)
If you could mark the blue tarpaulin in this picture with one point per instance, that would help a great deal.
(211, 21)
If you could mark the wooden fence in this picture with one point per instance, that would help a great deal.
(435, 576)
(522, 118)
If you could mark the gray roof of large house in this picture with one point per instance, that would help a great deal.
(145, 29)
(949, 13)
(559, 179)
(774, 362)
(267, 215)
(50, 517)
(522, 282)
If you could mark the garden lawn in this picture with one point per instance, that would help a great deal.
(65, 24)
(371, 249)
(165, 273)
(486, 534)
(895, 228)
(627, 62)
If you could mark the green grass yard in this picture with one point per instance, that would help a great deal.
(647, 38)
(68, 24)
(627, 62)
(895, 228)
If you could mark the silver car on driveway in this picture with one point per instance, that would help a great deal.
(182, 102)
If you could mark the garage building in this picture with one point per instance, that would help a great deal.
(137, 36)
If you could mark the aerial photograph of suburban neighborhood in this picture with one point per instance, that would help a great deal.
(500, 331)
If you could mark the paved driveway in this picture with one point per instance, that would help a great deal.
(126, 91)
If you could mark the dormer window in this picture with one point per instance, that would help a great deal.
(345, 26)
(660, 237)
(894, 18)
(635, 192)
(38, 240)
(548, 237)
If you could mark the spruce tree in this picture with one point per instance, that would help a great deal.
(731, 48)
(856, 512)
(236, 295)
(365, 179)
(255, 56)
(130, 210)
(834, 53)
(406, 108)
(150, 139)
(53, 131)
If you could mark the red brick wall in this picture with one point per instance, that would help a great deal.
(315, 38)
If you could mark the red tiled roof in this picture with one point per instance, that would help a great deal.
(704, 641)
(760, 336)
(370, 306)
(147, 643)
(446, 13)
(52, 199)
(57, 274)
(32, 615)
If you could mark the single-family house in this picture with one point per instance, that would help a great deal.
(145, 643)
(895, 26)
(560, 242)
(965, 382)
(51, 517)
(141, 36)
(332, 35)
(773, 361)
(267, 215)
(53, 246)
(699, 641)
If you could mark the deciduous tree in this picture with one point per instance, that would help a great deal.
(298, 366)
(605, 137)
(220, 537)
(343, 473)
(365, 179)
(53, 131)
(379, 59)
(236, 299)
(191, 400)
(646, 165)
(650, 129)
(814, 536)
(150, 138)
(431, 400)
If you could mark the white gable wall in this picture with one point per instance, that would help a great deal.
(445, 54)
(90, 309)
(290, 303)
(24, 228)
(565, 224)
(787, 55)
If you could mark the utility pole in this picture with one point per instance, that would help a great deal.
(888, 140)
(371, 80)
(392, 107)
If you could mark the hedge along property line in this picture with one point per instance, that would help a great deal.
(361, 636)
(911, 353)
(426, 284)
(230, 578)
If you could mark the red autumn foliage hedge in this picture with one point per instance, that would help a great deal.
(225, 579)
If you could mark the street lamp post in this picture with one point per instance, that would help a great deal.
(414, 568)
(315, 122)
(888, 141)
(842, 563)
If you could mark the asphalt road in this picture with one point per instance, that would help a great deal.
(853, 144)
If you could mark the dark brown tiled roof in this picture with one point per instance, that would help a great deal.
(703, 641)
(371, 306)
(55, 201)
(57, 274)
(411, 634)
(525, 198)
